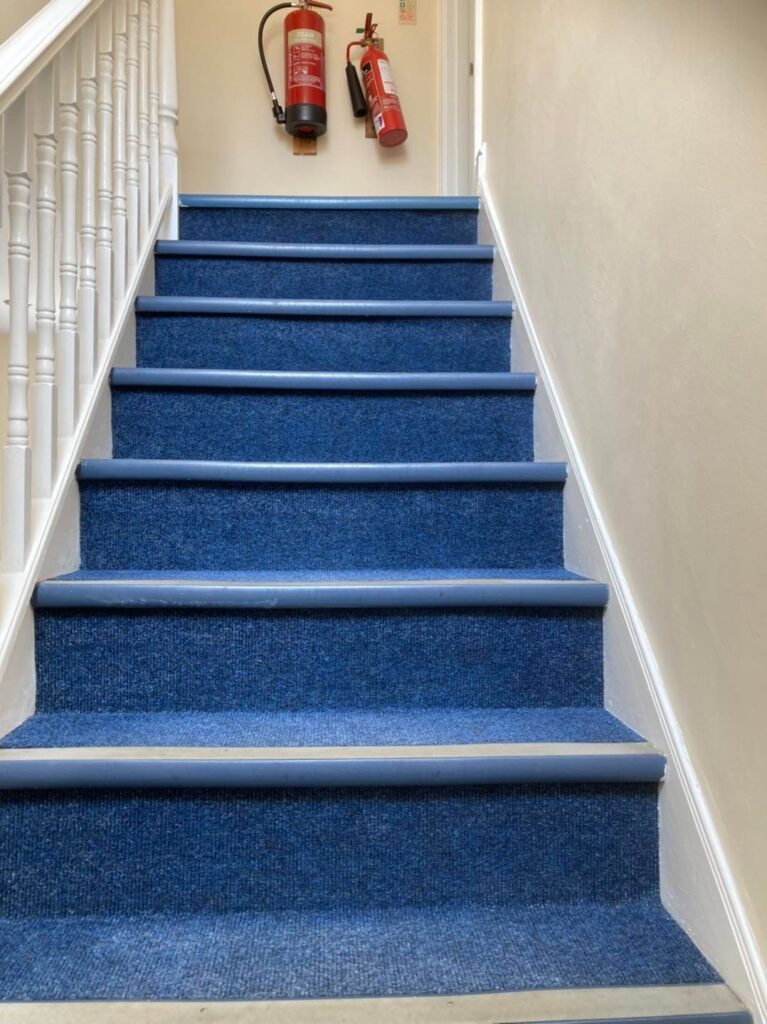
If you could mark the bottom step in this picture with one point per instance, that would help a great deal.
(348, 954)
(677, 1004)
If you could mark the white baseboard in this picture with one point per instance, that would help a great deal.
(56, 520)
(697, 885)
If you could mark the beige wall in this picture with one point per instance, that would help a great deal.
(228, 139)
(629, 164)
(13, 14)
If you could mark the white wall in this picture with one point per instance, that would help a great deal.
(626, 152)
(13, 14)
(228, 139)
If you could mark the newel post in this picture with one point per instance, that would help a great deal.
(17, 461)
(168, 114)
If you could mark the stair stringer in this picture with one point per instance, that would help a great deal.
(697, 884)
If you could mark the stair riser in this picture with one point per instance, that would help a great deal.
(323, 279)
(166, 525)
(317, 659)
(226, 851)
(350, 344)
(265, 426)
(331, 227)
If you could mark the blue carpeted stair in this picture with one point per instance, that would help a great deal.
(321, 714)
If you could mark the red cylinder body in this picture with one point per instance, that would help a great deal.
(305, 111)
(383, 100)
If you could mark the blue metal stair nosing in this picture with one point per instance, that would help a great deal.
(275, 380)
(326, 251)
(403, 593)
(324, 473)
(229, 202)
(180, 304)
(607, 768)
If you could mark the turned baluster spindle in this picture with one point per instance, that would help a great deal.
(88, 295)
(43, 390)
(132, 137)
(143, 119)
(119, 147)
(104, 179)
(67, 348)
(168, 114)
(17, 463)
(154, 108)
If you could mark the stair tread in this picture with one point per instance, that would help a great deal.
(324, 250)
(347, 953)
(317, 728)
(157, 377)
(188, 200)
(318, 588)
(128, 469)
(324, 307)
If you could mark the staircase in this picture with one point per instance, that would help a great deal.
(320, 717)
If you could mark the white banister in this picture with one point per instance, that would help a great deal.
(143, 118)
(154, 108)
(169, 112)
(88, 116)
(67, 354)
(119, 143)
(132, 133)
(43, 391)
(88, 295)
(17, 463)
(104, 212)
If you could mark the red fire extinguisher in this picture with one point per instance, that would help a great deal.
(305, 112)
(382, 96)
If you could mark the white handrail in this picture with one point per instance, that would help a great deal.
(37, 42)
(88, 107)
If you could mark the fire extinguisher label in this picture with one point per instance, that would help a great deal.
(387, 79)
(298, 36)
(305, 58)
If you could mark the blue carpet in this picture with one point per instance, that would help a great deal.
(306, 426)
(448, 950)
(354, 345)
(322, 279)
(164, 525)
(204, 660)
(227, 894)
(333, 727)
(155, 851)
(336, 227)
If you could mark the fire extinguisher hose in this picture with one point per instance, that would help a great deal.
(277, 111)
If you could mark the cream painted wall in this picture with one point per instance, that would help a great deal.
(227, 136)
(629, 166)
(13, 14)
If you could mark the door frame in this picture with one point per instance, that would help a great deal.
(457, 102)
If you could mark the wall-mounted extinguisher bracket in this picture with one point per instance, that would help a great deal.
(382, 97)
(305, 113)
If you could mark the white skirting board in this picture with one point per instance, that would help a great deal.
(697, 885)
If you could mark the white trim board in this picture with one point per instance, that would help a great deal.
(56, 520)
(454, 97)
(697, 885)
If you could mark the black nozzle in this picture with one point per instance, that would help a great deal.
(277, 111)
(356, 95)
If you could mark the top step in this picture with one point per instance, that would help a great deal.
(373, 220)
